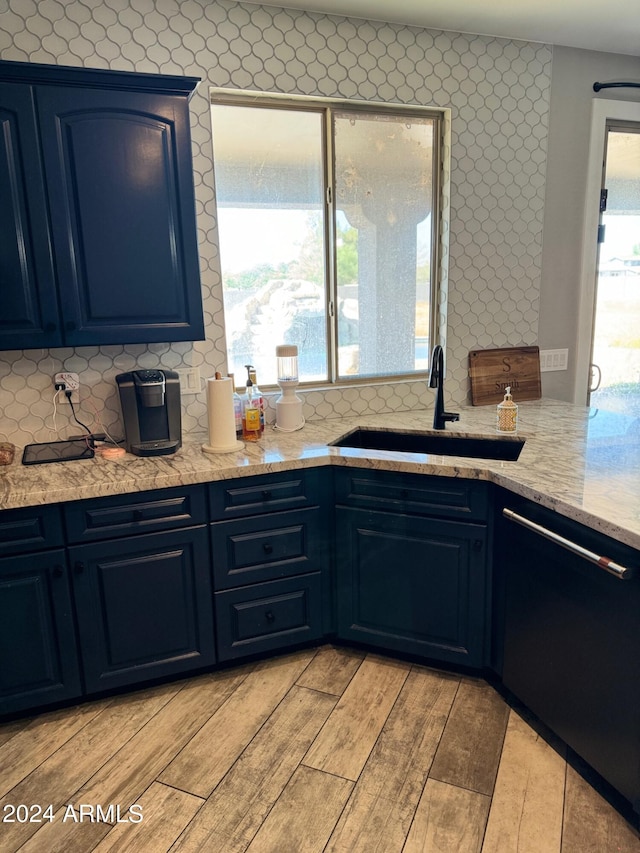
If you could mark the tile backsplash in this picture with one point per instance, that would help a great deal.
(497, 90)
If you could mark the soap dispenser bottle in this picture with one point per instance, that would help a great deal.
(250, 415)
(507, 413)
(257, 395)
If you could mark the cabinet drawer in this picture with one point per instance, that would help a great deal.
(142, 512)
(268, 616)
(264, 548)
(30, 529)
(276, 492)
(413, 494)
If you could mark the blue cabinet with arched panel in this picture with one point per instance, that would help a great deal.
(102, 244)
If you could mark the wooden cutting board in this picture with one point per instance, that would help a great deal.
(492, 370)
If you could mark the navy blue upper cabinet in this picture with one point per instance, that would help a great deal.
(118, 188)
(29, 316)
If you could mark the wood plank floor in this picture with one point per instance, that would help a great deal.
(324, 749)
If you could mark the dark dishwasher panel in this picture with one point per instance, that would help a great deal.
(572, 641)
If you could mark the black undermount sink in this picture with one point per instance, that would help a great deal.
(507, 449)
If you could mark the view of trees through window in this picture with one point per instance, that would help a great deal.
(326, 246)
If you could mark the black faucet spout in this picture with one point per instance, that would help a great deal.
(436, 380)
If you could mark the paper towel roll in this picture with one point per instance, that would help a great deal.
(222, 422)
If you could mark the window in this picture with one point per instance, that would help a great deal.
(328, 219)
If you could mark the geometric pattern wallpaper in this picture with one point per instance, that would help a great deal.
(497, 91)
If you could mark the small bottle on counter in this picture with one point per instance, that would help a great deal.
(237, 407)
(257, 394)
(250, 415)
(507, 413)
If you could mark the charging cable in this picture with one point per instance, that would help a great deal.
(54, 425)
(67, 394)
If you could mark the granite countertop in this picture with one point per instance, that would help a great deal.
(580, 462)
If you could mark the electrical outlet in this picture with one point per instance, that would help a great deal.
(70, 382)
(553, 359)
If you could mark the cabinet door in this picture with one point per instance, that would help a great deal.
(413, 585)
(144, 607)
(29, 313)
(119, 178)
(38, 660)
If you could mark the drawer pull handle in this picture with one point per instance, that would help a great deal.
(78, 567)
(266, 495)
(269, 616)
(138, 515)
(268, 549)
(58, 571)
(621, 572)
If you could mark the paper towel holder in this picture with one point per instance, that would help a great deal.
(222, 425)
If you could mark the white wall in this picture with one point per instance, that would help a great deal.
(498, 91)
(573, 74)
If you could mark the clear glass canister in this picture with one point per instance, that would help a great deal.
(287, 363)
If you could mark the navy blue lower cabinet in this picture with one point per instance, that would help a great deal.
(38, 657)
(271, 539)
(144, 607)
(268, 616)
(412, 584)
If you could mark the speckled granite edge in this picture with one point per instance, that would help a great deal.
(584, 468)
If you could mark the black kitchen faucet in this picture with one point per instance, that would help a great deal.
(436, 380)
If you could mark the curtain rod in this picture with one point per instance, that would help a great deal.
(598, 86)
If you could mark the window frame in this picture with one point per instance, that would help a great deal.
(439, 215)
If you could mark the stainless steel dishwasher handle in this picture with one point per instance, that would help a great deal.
(621, 572)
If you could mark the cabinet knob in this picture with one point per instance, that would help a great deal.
(269, 616)
(268, 549)
(477, 544)
(78, 567)
(57, 572)
(138, 515)
(266, 495)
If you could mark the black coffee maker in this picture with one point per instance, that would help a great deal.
(150, 401)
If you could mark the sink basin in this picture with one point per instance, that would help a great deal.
(442, 445)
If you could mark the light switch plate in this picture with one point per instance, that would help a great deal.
(189, 380)
(553, 359)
